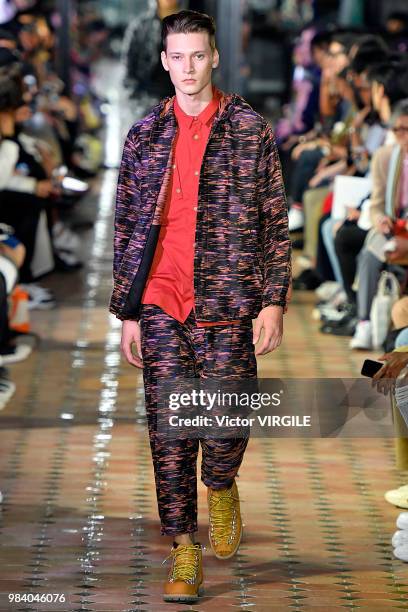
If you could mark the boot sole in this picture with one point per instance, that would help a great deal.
(226, 557)
(184, 598)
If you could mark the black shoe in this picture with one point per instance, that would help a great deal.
(298, 243)
(65, 265)
(349, 311)
(346, 329)
(308, 280)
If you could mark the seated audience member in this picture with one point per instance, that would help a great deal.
(388, 210)
(31, 188)
(307, 156)
(26, 191)
(388, 85)
(388, 81)
(302, 113)
(354, 130)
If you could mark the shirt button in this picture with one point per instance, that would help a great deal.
(195, 136)
(174, 166)
(195, 208)
(178, 190)
(196, 173)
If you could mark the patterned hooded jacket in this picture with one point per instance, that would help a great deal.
(242, 257)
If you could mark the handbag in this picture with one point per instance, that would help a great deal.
(43, 257)
(388, 292)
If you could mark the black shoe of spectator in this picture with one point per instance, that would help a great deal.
(82, 224)
(308, 280)
(65, 265)
(346, 329)
(348, 311)
(298, 243)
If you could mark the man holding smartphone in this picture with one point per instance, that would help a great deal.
(201, 249)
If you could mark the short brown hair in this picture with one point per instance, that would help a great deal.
(186, 22)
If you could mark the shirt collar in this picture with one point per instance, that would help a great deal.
(204, 117)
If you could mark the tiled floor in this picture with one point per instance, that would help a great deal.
(79, 514)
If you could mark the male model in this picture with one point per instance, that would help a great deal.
(201, 249)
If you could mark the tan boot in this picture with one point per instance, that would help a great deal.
(186, 574)
(225, 524)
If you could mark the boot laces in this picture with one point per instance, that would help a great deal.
(223, 516)
(185, 563)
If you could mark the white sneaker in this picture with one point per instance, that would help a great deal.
(7, 390)
(38, 297)
(63, 238)
(327, 290)
(402, 520)
(295, 219)
(362, 338)
(328, 312)
(401, 552)
(400, 538)
(304, 262)
(17, 353)
(35, 291)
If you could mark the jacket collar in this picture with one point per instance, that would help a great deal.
(165, 109)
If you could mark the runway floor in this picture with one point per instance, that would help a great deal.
(79, 512)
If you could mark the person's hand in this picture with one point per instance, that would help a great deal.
(401, 250)
(384, 224)
(315, 180)
(130, 336)
(360, 117)
(384, 379)
(304, 146)
(44, 188)
(353, 214)
(270, 320)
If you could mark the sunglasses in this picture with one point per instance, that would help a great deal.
(336, 53)
(400, 130)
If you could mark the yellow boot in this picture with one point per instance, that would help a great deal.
(186, 574)
(225, 524)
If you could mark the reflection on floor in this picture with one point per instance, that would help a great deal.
(79, 513)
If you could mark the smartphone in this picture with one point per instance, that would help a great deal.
(371, 367)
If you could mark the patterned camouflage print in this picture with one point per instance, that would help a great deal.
(242, 257)
(171, 349)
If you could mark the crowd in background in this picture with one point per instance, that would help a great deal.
(50, 149)
(344, 148)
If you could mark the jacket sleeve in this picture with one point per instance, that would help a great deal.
(273, 217)
(379, 170)
(127, 201)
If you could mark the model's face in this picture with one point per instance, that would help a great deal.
(190, 61)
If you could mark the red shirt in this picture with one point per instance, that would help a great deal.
(171, 280)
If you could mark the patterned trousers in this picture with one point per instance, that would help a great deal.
(171, 349)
